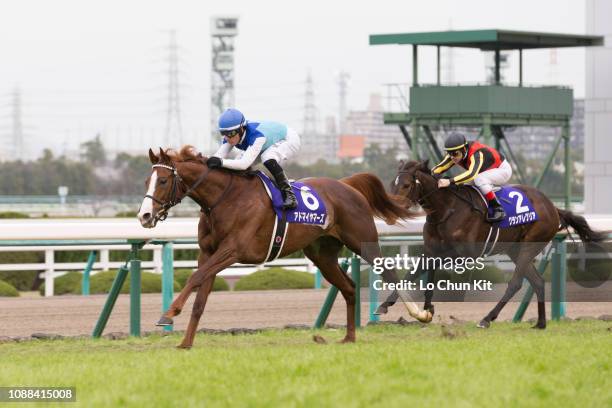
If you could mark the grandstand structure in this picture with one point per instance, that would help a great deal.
(491, 106)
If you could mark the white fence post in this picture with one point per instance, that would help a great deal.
(49, 271)
(157, 259)
(104, 259)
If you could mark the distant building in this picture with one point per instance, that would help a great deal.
(370, 125)
(319, 145)
(577, 125)
(536, 142)
(351, 146)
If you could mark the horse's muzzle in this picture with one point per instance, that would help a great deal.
(147, 220)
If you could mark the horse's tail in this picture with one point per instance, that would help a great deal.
(581, 226)
(382, 204)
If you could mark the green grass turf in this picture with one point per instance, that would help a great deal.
(569, 364)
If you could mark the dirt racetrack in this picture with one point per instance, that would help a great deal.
(74, 315)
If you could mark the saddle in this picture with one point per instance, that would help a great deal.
(310, 206)
(516, 204)
(310, 210)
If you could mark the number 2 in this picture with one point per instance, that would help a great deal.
(519, 201)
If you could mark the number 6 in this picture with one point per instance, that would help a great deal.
(310, 201)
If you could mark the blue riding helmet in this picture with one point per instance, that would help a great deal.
(231, 119)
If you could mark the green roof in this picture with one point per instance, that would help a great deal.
(488, 40)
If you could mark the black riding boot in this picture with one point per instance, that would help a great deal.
(498, 211)
(290, 202)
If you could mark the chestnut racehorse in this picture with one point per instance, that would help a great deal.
(237, 220)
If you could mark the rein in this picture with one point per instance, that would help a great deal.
(453, 189)
(420, 200)
(175, 199)
(456, 192)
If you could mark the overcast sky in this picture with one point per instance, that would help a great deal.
(98, 66)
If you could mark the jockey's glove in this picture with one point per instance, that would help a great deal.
(214, 162)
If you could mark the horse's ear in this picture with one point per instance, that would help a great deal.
(154, 159)
(163, 157)
(401, 165)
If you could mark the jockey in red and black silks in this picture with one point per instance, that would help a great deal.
(485, 168)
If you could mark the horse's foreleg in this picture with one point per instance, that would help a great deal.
(392, 298)
(369, 251)
(204, 278)
(196, 312)
(176, 307)
(184, 294)
(431, 277)
(218, 261)
(513, 286)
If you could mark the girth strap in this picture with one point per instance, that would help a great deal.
(279, 233)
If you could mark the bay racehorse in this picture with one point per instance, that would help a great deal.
(237, 220)
(456, 226)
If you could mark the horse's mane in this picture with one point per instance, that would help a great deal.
(420, 165)
(187, 153)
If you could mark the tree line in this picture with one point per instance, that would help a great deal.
(94, 174)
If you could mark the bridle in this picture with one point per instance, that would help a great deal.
(454, 191)
(179, 184)
(418, 183)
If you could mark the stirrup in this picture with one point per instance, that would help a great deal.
(290, 202)
(497, 216)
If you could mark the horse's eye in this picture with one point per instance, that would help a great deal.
(163, 181)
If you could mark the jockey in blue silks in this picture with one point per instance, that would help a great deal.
(272, 141)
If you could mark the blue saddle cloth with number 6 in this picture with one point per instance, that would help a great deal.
(310, 208)
(519, 209)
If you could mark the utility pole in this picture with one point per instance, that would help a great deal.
(310, 111)
(343, 78)
(173, 134)
(17, 141)
(223, 31)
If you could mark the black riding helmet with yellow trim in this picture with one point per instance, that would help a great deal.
(455, 142)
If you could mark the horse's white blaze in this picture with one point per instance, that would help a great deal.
(147, 203)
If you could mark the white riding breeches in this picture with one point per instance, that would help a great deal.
(283, 150)
(493, 177)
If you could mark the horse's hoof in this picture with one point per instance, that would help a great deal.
(164, 321)
(484, 324)
(431, 309)
(424, 316)
(539, 325)
(347, 340)
(381, 310)
(183, 347)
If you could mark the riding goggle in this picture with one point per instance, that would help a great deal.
(230, 133)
